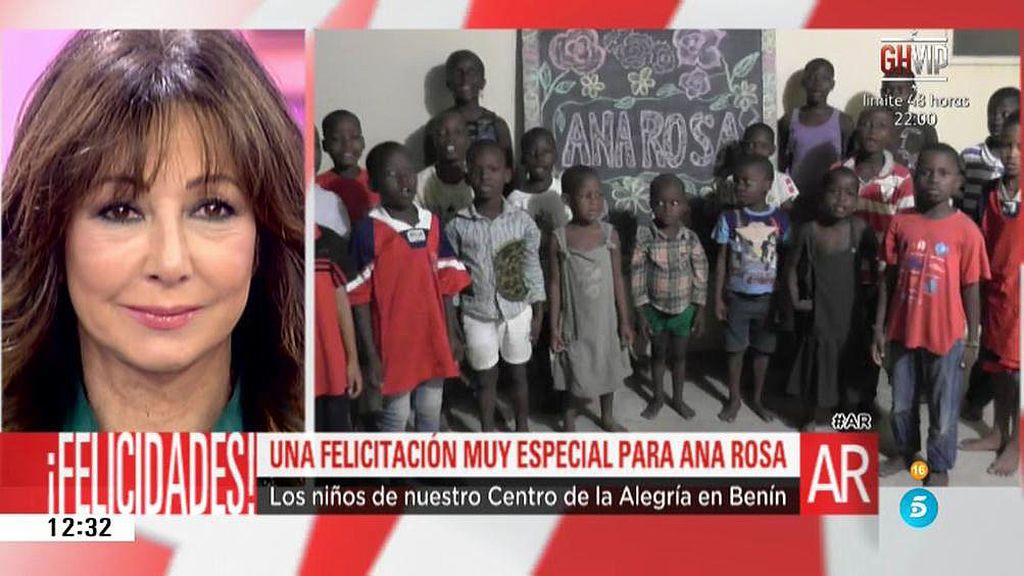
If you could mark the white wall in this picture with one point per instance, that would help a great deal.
(394, 79)
(855, 54)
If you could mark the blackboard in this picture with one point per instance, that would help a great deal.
(636, 103)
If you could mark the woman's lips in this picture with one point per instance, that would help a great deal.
(157, 318)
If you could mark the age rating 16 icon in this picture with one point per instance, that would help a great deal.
(919, 507)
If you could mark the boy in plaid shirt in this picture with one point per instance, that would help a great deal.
(670, 284)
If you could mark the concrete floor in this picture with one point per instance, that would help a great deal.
(705, 392)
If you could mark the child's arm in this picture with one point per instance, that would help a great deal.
(371, 358)
(699, 263)
(454, 336)
(619, 287)
(638, 280)
(504, 136)
(721, 235)
(885, 287)
(534, 276)
(555, 295)
(792, 280)
(348, 338)
(971, 295)
(721, 309)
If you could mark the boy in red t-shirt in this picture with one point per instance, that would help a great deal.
(935, 261)
(343, 141)
(1003, 227)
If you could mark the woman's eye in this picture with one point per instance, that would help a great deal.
(120, 213)
(214, 209)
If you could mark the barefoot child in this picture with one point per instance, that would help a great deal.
(402, 296)
(814, 136)
(540, 194)
(982, 166)
(1003, 228)
(502, 313)
(343, 141)
(749, 238)
(935, 260)
(441, 187)
(337, 373)
(670, 285)
(830, 309)
(590, 326)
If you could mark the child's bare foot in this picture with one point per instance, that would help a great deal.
(569, 422)
(936, 479)
(612, 425)
(892, 466)
(1007, 462)
(653, 407)
(683, 409)
(988, 443)
(729, 412)
(761, 412)
(808, 426)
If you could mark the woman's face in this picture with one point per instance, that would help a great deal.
(159, 278)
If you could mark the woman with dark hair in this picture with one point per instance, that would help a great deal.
(153, 241)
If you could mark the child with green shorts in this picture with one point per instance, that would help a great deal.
(670, 284)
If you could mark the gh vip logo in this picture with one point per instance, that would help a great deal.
(925, 57)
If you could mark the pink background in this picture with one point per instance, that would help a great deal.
(24, 54)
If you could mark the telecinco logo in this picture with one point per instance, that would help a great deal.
(925, 57)
(919, 507)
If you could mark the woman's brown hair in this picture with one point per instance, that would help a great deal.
(106, 98)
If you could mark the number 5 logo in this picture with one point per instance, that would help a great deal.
(919, 508)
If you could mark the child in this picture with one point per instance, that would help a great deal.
(984, 166)
(935, 259)
(1003, 228)
(337, 379)
(749, 239)
(982, 162)
(503, 312)
(441, 187)
(540, 194)
(591, 331)
(814, 136)
(912, 134)
(759, 140)
(886, 186)
(343, 142)
(670, 284)
(403, 296)
(464, 77)
(823, 278)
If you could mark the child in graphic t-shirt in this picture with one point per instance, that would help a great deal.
(750, 238)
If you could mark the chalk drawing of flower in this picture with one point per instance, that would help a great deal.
(612, 39)
(695, 83)
(699, 47)
(591, 86)
(665, 59)
(744, 95)
(636, 51)
(578, 50)
(630, 193)
(641, 82)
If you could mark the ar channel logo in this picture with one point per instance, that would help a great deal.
(919, 508)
